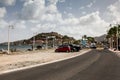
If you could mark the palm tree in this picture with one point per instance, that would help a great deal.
(112, 32)
(112, 35)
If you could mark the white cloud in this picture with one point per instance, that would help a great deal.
(82, 7)
(65, 12)
(90, 5)
(52, 17)
(94, 1)
(20, 25)
(71, 21)
(3, 23)
(62, 1)
(8, 2)
(48, 18)
(2, 12)
(54, 2)
(83, 12)
(52, 14)
(48, 27)
(33, 9)
(69, 8)
(93, 24)
(51, 8)
(114, 11)
(70, 15)
(90, 24)
(90, 18)
(36, 10)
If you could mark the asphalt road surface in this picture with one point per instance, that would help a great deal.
(94, 65)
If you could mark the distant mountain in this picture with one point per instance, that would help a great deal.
(100, 38)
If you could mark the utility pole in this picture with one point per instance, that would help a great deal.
(9, 27)
(47, 42)
(34, 34)
(117, 37)
(53, 37)
(112, 42)
(111, 39)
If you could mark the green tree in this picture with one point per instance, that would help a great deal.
(112, 32)
(112, 35)
(90, 39)
(76, 42)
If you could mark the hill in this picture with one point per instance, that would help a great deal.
(100, 38)
(42, 37)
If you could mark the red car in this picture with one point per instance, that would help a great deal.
(63, 48)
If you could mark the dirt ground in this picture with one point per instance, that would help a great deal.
(22, 59)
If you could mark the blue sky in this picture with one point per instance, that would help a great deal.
(68, 17)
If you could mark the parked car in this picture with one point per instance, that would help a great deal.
(68, 48)
(39, 47)
(63, 48)
(75, 48)
(93, 46)
(106, 47)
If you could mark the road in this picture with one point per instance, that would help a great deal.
(94, 65)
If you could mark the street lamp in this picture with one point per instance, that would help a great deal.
(34, 34)
(47, 37)
(117, 37)
(9, 27)
(53, 37)
(111, 39)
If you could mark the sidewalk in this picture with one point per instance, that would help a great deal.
(114, 51)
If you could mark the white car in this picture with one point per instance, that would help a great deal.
(93, 45)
